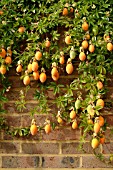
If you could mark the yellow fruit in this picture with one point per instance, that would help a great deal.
(65, 11)
(56, 76)
(42, 77)
(71, 9)
(38, 55)
(72, 114)
(102, 138)
(109, 46)
(62, 60)
(101, 121)
(8, 60)
(1, 12)
(96, 127)
(85, 44)
(69, 68)
(29, 68)
(95, 143)
(74, 125)
(2, 53)
(21, 29)
(34, 66)
(47, 43)
(9, 52)
(54, 71)
(85, 26)
(33, 129)
(36, 75)
(106, 38)
(90, 121)
(19, 68)
(59, 120)
(47, 128)
(26, 80)
(87, 36)
(68, 39)
(99, 85)
(82, 56)
(100, 102)
(91, 48)
(2, 69)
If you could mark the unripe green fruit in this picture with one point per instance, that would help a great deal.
(72, 53)
(77, 104)
(90, 111)
(95, 30)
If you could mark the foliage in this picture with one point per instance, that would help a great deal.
(26, 26)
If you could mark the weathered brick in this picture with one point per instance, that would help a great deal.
(20, 162)
(109, 93)
(60, 162)
(110, 81)
(109, 119)
(13, 94)
(93, 162)
(73, 148)
(40, 148)
(59, 135)
(108, 135)
(108, 147)
(16, 82)
(40, 119)
(11, 107)
(1, 134)
(12, 72)
(13, 121)
(9, 147)
(0, 162)
(10, 137)
(62, 134)
(26, 120)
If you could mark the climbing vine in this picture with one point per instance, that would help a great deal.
(47, 40)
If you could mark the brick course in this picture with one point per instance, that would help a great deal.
(59, 149)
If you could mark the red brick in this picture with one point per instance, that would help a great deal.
(73, 148)
(108, 147)
(12, 72)
(16, 82)
(13, 94)
(108, 135)
(13, 121)
(0, 162)
(9, 147)
(26, 120)
(109, 94)
(1, 134)
(59, 135)
(20, 162)
(62, 134)
(60, 162)
(11, 107)
(40, 148)
(109, 119)
(10, 137)
(93, 162)
(110, 81)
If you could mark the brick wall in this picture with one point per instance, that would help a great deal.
(59, 149)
